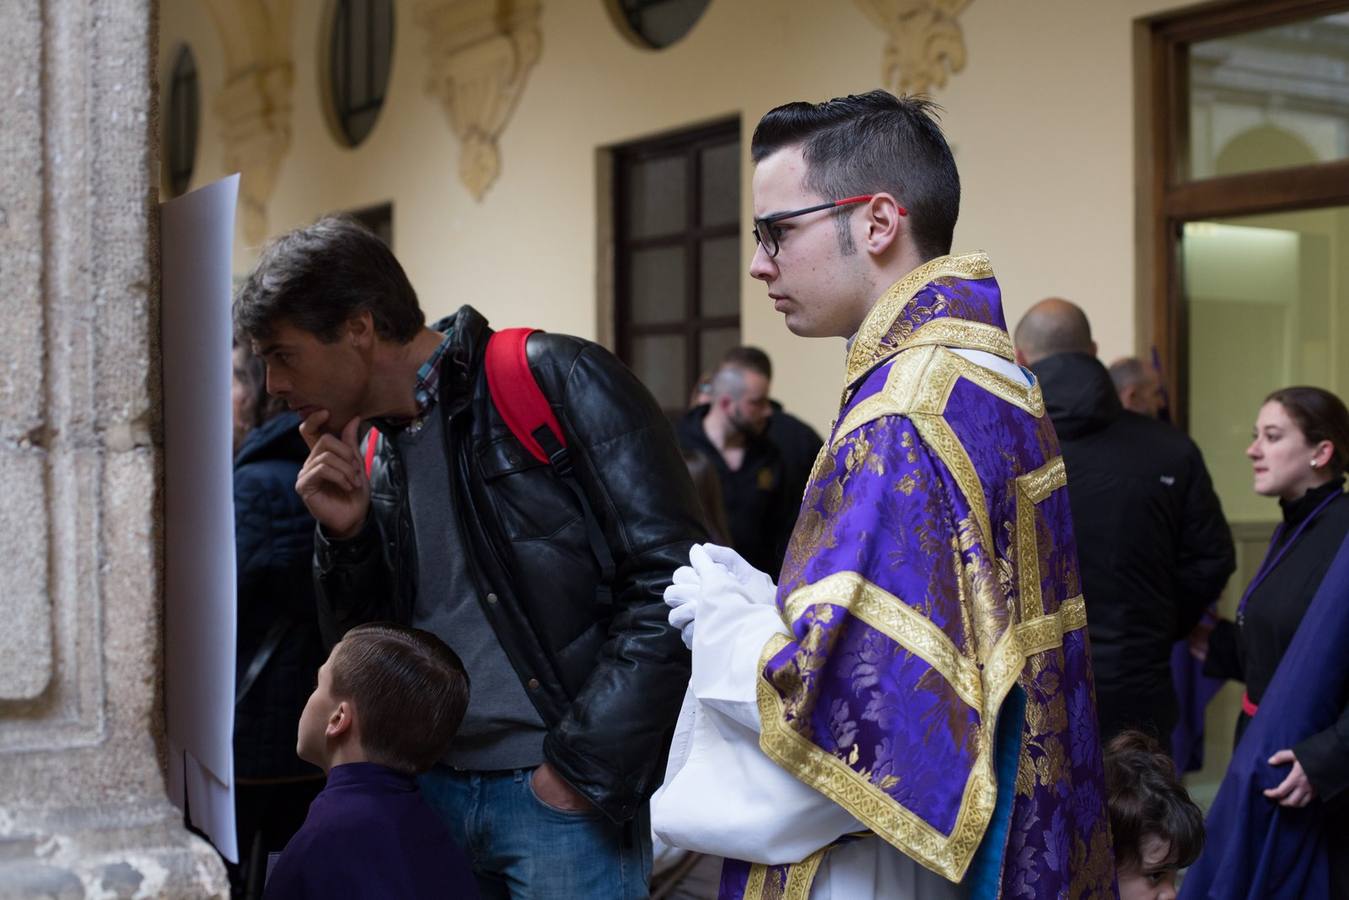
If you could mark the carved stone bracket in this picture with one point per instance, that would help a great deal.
(925, 41)
(254, 104)
(480, 52)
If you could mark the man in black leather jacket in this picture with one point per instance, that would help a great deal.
(1152, 542)
(576, 675)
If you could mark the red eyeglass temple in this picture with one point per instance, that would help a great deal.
(863, 198)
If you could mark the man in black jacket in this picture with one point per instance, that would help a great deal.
(546, 581)
(1152, 542)
(759, 501)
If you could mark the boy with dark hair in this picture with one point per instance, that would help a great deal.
(386, 707)
(1157, 828)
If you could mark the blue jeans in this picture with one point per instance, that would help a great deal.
(526, 850)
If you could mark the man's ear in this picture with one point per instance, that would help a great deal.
(884, 223)
(360, 328)
(1020, 357)
(341, 720)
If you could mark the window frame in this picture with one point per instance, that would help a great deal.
(342, 107)
(1166, 200)
(689, 144)
(183, 122)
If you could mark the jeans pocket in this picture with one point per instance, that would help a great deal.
(590, 812)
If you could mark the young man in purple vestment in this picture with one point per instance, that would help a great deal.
(386, 707)
(909, 710)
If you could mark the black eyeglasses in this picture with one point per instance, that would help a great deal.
(768, 236)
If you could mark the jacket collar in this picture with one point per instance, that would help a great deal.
(278, 437)
(459, 364)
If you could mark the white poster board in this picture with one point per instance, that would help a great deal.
(196, 252)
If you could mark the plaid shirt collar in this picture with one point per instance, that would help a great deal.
(427, 390)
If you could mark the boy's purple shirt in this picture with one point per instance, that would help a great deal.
(932, 572)
(369, 834)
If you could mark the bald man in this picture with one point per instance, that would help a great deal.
(1151, 538)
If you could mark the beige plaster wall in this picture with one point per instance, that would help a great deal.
(1041, 120)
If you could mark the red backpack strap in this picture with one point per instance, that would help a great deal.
(518, 397)
(371, 442)
(526, 411)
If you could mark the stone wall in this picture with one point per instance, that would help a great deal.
(83, 810)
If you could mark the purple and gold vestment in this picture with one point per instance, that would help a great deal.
(931, 576)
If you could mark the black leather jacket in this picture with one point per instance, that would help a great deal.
(604, 669)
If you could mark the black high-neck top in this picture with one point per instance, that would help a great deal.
(1251, 651)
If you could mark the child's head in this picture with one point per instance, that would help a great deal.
(388, 695)
(1156, 826)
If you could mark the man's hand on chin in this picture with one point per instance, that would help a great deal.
(332, 481)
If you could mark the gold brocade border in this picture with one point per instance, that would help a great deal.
(802, 875)
(938, 434)
(946, 855)
(919, 386)
(895, 619)
(920, 380)
(758, 876)
(866, 349)
(1032, 488)
(953, 332)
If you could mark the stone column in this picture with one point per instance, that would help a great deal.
(83, 810)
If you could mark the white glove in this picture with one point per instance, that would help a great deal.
(682, 598)
(707, 580)
(759, 586)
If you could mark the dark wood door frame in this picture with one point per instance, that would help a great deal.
(1166, 199)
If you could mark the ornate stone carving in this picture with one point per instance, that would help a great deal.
(480, 52)
(925, 42)
(254, 104)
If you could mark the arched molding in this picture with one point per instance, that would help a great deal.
(926, 42)
(254, 103)
(480, 54)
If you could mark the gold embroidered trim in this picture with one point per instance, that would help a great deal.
(948, 856)
(1032, 488)
(758, 875)
(938, 434)
(1045, 480)
(866, 349)
(897, 397)
(801, 875)
(962, 333)
(895, 619)
(921, 380)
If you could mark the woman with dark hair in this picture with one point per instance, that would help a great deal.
(278, 640)
(1293, 730)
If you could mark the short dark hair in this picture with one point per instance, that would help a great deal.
(317, 277)
(1146, 798)
(410, 692)
(1322, 417)
(751, 358)
(867, 143)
